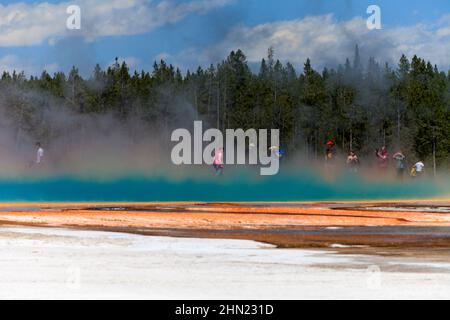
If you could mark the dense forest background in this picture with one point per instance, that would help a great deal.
(361, 105)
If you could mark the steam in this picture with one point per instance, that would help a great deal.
(132, 153)
(79, 144)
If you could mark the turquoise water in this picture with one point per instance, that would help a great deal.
(301, 187)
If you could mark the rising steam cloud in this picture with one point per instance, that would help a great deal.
(90, 145)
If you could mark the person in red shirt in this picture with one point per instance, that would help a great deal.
(383, 158)
(330, 152)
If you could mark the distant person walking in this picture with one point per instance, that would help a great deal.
(418, 169)
(218, 161)
(400, 159)
(39, 156)
(330, 153)
(39, 153)
(383, 158)
(353, 162)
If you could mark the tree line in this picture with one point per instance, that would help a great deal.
(360, 105)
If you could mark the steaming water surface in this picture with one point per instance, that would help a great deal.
(299, 187)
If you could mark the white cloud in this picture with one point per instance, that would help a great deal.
(25, 24)
(328, 42)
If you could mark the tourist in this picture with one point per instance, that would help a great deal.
(353, 162)
(400, 159)
(383, 158)
(218, 161)
(417, 170)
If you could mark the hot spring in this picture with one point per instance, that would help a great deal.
(235, 188)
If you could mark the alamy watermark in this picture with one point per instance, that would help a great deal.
(239, 145)
(374, 21)
(374, 277)
(73, 22)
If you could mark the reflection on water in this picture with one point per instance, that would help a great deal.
(300, 187)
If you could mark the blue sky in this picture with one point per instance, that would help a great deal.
(191, 32)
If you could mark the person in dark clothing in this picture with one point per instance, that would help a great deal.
(330, 153)
(400, 159)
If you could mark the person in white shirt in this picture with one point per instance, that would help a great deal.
(39, 154)
(418, 168)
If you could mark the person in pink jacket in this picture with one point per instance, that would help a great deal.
(218, 161)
